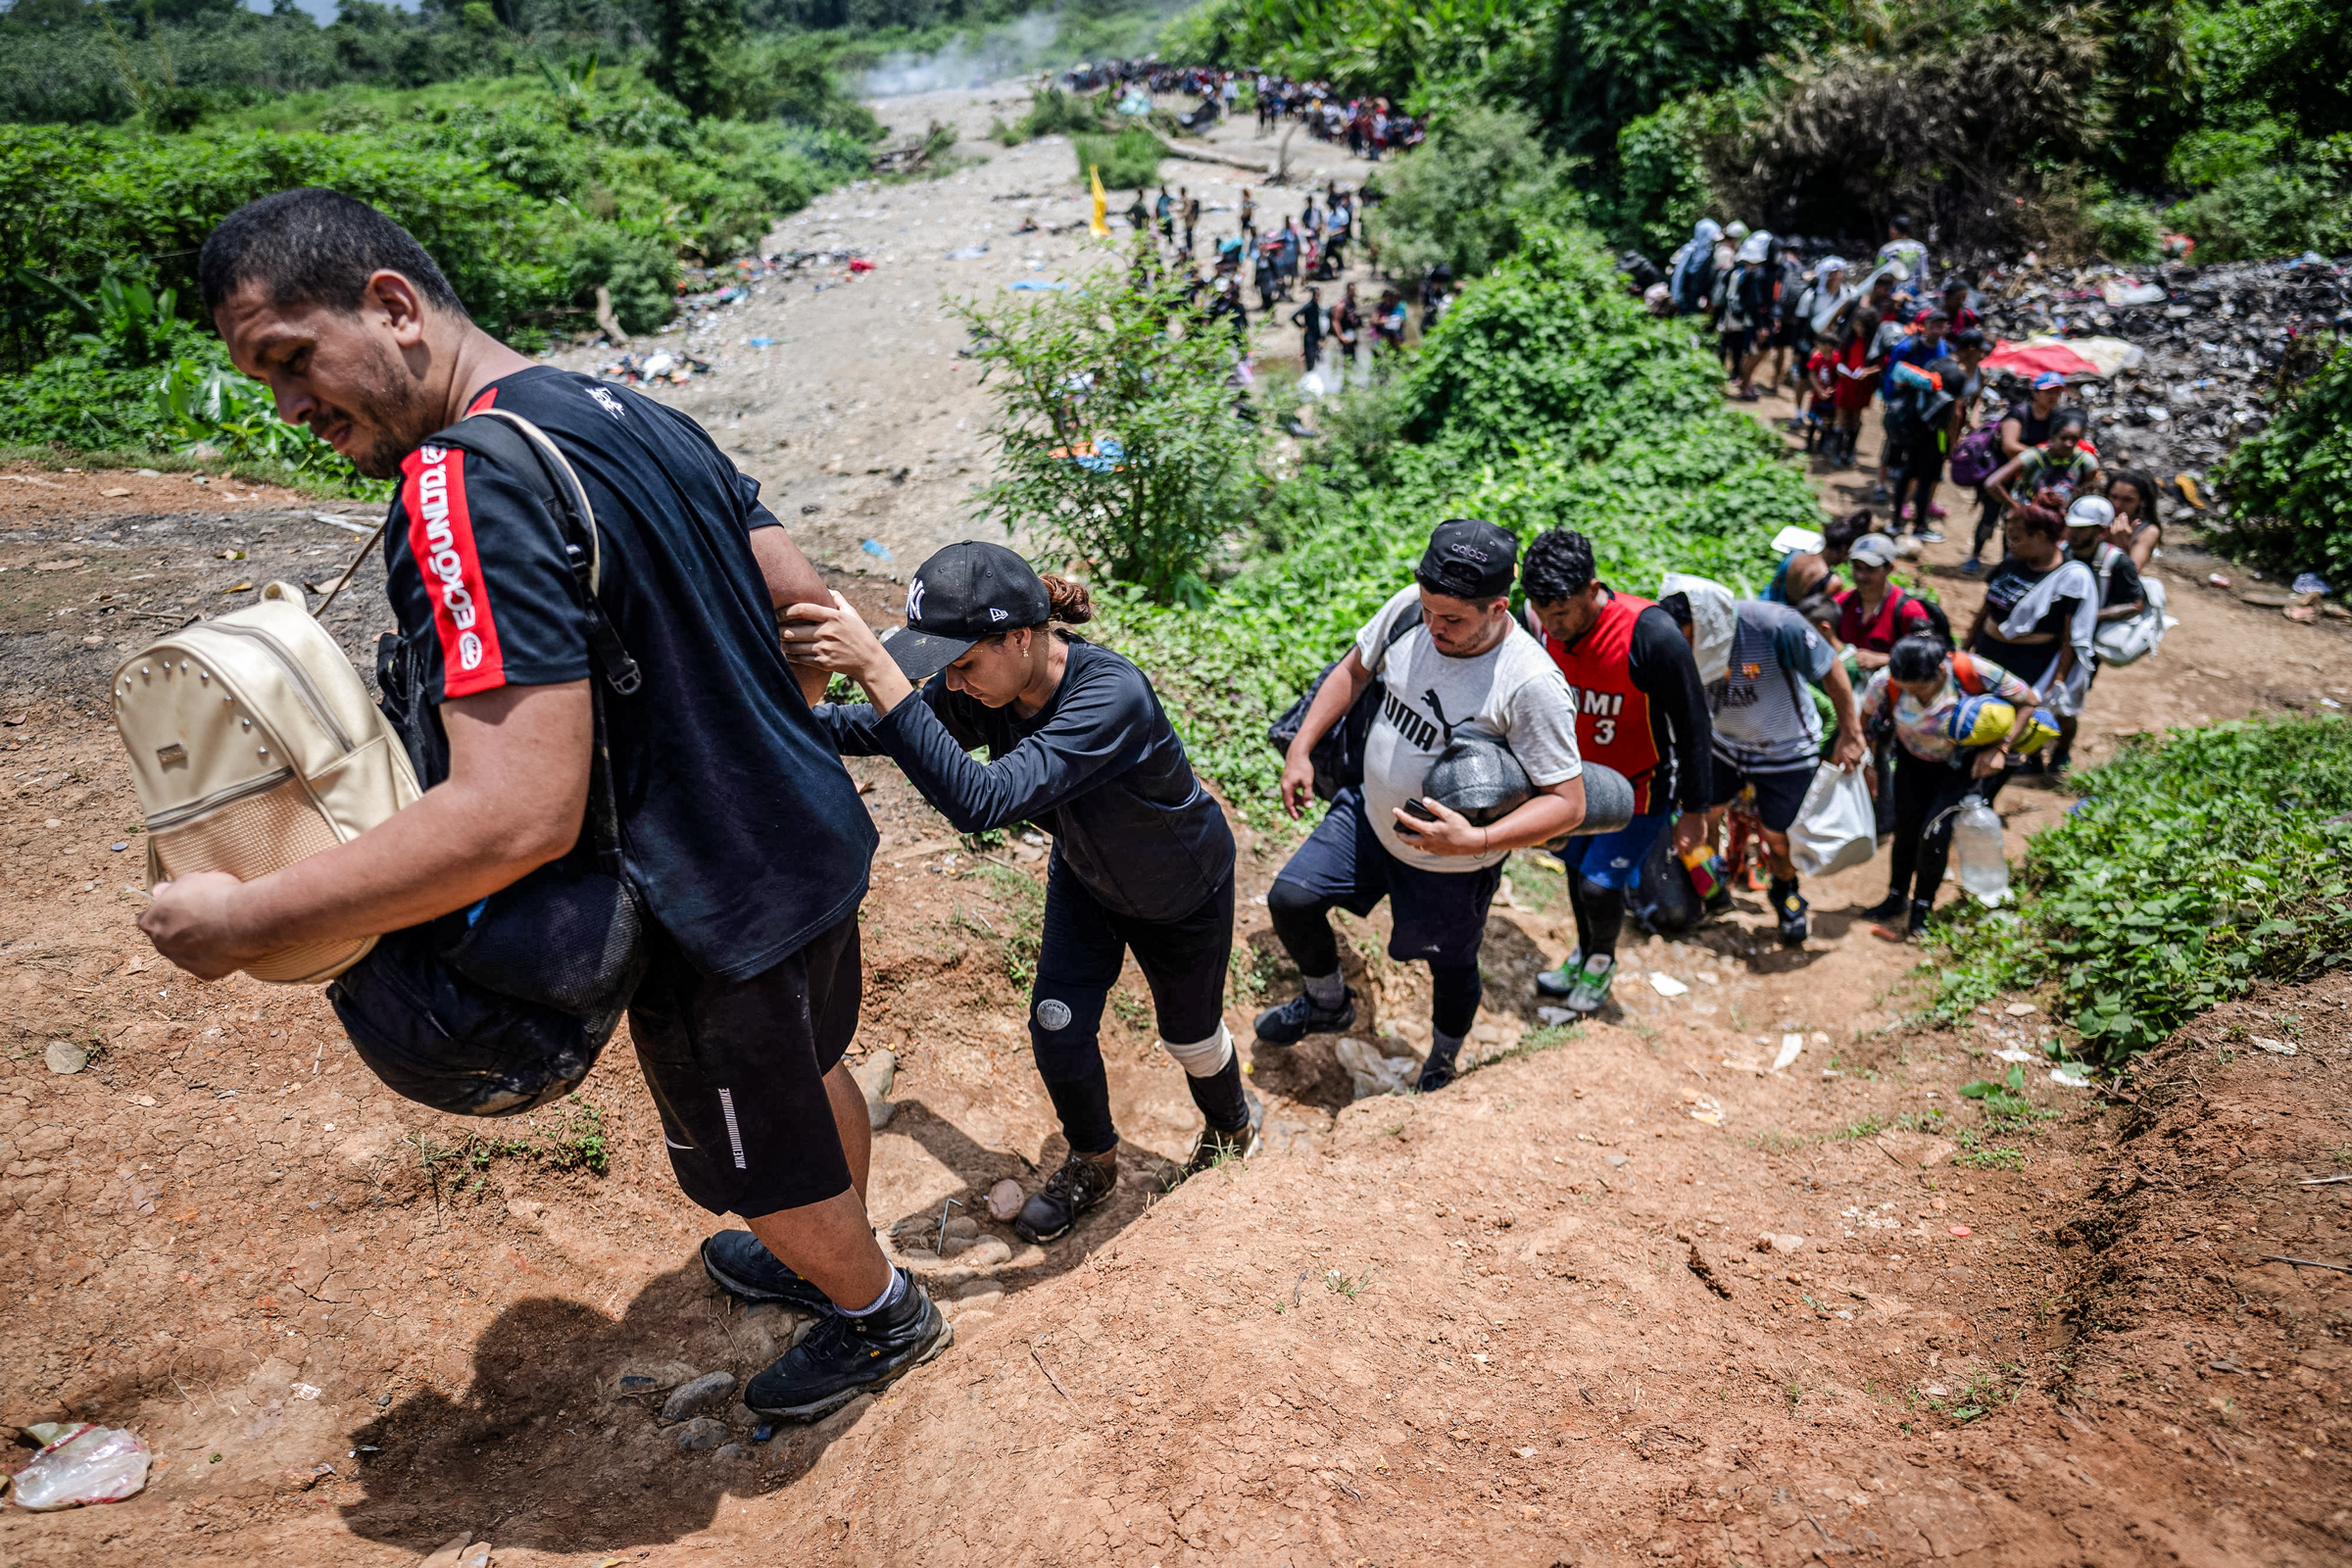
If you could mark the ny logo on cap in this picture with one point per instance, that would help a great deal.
(914, 599)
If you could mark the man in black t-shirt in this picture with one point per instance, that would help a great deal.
(738, 825)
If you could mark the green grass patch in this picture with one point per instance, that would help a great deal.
(2194, 865)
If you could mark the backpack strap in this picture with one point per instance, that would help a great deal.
(523, 451)
(1965, 672)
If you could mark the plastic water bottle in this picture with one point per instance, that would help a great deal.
(1977, 846)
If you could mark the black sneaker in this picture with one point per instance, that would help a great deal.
(1213, 1147)
(741, 1266)
(1890, 908)
(844, 1356)
(1068, 1193)
(1788, 908)
(1438, 1070)
(1299, 1017)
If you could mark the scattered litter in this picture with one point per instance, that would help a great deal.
(1708, 1110)
(1004, 1199)
(761, 342)
(2311, 582)
(1792, 1047)
(2282, 1048)
(2073, 1075)
(640, 369)
(344, 524)
(2012, 1053)
(81, 1463)
(306, 1391)
(1666, 985)
(877, 549)
(1961, 1231)
(967, 253)
(1039, 284)
(1554, 1015)
(1374, 1072)
(118, 490)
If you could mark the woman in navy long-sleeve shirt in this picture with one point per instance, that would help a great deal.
(1077, 743)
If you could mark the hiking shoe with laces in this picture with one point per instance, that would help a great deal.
(1213, 1147)
(844, 1356)
(1299, 1017)
(1560, 982)
(1592, 982)
(1078, 1185)
(740, 1266)
(1788, 908)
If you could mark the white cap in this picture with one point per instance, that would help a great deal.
(2090, 512)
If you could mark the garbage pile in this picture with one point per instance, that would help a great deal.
(2209, 337)
(660, 366)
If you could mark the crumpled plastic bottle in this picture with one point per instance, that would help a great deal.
(83, 1463)
(1977, 846)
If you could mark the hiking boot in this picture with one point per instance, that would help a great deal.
(844, 1356)
(1788, 908)
(1438, 1070)
(1213, 1147)
(1299, 1017)
(1592, 982)
(1890, 908)
(1078, 1185)
(740, 1266)
(1930, 537)
(1560, 982)
(1973, 567)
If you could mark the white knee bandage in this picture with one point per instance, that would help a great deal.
(1204, 1058)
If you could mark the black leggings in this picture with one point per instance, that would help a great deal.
(1924, 793)
(1989, 521)
(1082, 947)
(1302, 924)
(1923, 466)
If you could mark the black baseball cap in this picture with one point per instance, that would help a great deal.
(1467, 558)
(964, 593)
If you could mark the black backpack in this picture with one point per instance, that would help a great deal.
(1339, 756)
(494, 1009)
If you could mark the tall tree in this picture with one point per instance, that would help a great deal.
(693, 40)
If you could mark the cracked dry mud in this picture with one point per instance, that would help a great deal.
(1525, 1320)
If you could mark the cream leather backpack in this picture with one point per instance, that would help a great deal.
(254, 744)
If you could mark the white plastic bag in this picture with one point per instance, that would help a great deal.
(2127, 642)
(83, 1464)
(1836, 826)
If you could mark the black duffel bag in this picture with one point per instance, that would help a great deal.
(496, 1008)
(1339, 756)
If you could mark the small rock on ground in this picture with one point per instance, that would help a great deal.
(701, 1433)
(698, 1396)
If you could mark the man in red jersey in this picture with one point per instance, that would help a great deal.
(1641, 709)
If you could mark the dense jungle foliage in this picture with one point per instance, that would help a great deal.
(2225, 118)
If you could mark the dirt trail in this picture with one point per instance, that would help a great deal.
(1524, 1320)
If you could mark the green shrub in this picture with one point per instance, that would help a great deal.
(2290, 487)
(1118, 429)
(1463, 197)
(2303, 202)
(2125, 231)
(1661, 182)
(2194, 866)
(1129, 161)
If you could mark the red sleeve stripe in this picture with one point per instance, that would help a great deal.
(441, 539)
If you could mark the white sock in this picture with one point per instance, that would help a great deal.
(889, 1297)
(1326, 990)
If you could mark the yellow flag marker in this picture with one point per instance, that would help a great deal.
(1101, 228)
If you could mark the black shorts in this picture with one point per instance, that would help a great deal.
(1437, 916)
(1779, 790)
(737, 1068)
